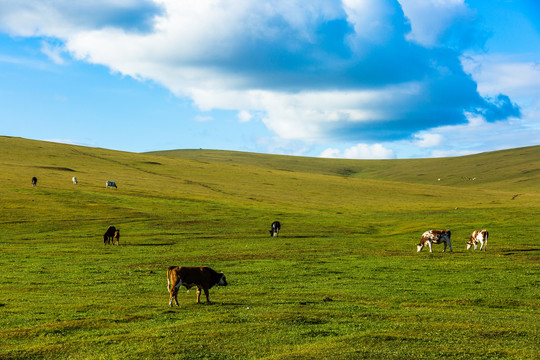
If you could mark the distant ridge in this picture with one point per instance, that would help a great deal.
(503, 169)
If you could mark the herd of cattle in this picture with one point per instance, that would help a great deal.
(443, 237)
(205, 278)
(108, 183)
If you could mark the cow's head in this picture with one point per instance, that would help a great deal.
(470, 243)
(419, 247)
(222, 281)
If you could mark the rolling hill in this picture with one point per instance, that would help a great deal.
(343, 280)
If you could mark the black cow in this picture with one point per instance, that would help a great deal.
(34, 181)
(274, 229)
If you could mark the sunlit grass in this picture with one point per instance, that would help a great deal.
(343, 280)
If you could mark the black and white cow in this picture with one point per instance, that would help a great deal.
(478, 236)
(34, 181)
(110, 184)
(435, 237)
(74, 179)
(274, 229)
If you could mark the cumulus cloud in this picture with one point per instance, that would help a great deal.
(360, 151)
(356, 70)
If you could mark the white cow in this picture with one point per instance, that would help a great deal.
(74, 180)
(478, 236)
(111, 184)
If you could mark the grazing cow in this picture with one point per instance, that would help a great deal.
(435, 237)
(34, 181)
(111, 184)
(478, 236)
(117, 237)
(274, 229)
(74, 180)
(109, 235)
(202, 277)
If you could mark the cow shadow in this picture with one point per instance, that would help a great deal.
(513, 251)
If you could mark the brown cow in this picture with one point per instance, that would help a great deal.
(109, 235)
(435, 237)
(202, 277)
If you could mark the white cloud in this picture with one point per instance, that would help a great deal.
(330, 153)
(428, 140)
(503, 74)
(53, 52)
(244, 116)
(478, 135)
(308, 115)
(360, 151)
(268, 60)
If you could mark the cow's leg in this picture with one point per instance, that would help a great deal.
(173, 296)
(481, 244)
(449, 245)
(430, 246)
(198, 294)
(206, 293)
(174, 292)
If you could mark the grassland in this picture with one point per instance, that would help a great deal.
(343, 280)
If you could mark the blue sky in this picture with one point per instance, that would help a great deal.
(346, 79)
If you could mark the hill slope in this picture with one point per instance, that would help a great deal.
(514, 169)
(342, 281)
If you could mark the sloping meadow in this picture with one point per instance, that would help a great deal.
(342, 280)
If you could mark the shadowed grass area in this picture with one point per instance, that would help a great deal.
(343, 280)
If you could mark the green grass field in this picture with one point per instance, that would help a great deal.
(342, 281)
